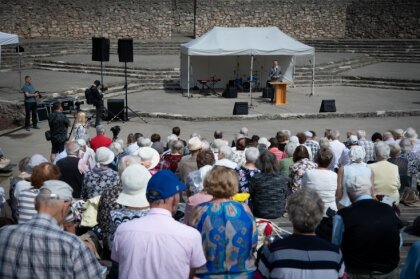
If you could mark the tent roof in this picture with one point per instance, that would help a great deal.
(245, 41)
(8, 39)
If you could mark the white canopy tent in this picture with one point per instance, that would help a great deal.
(7, 39)
(241, 52)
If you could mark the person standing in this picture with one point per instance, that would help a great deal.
(30, 103)
(58, 123)
(275, 72)
(98, 101)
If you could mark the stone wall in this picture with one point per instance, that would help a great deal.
(316, 19)
(183, 16)
(46, 19)
(160, 19)
(12, 114)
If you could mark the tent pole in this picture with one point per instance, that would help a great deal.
(188, 77)
(20, 70)
(251, 78)
(313, 74)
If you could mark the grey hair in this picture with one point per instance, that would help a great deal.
(361, 134)
(100, 130)
(244, 131)
(324, 143)
(177, 146)
(290, 148)
(395, 150)
(226, 151)
(287, 132)
(127, 161)
(144, 142)
(195, 135)
(252, 154)
(406, 145)
(205, 144)
(72, 148)
(43, 197)
(410, 133)
(335, 134)
(387, 136)
(305, 209)
(382, 151)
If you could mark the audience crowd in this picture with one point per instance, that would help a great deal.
(185, 208)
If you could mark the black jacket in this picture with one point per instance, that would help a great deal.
(58, 123)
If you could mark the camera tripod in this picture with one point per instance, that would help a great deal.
(126, 107)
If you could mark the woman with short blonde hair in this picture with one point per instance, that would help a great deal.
(80, 127)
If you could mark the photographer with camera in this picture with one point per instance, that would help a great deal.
(30, 103)
(58, 123)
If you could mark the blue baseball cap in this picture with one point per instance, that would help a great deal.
(162, 185)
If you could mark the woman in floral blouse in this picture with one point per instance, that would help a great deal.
(300, 166)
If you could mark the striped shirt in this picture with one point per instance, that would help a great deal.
(40, 249)
(369, 149)
(300, 256)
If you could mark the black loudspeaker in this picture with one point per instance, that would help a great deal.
(100, 49)
(230, 92)
(268, 92)
(42, 114)
(240, 108)
(125, 50)
(116, 108)
(327, 106)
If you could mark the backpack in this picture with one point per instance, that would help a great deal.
(89, 96)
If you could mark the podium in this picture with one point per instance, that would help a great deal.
(279, 92)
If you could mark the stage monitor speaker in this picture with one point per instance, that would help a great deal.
(42, 113)
(327, 106)
(125, 50)
(100, 49)
(240, 108)
(116, 108)
(268, 92)
(230, 92)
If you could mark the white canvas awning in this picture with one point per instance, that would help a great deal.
(8, 39)
(227, 52)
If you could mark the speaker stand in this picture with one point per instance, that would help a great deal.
(126, 107)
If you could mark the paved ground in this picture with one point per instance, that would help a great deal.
(407, 71)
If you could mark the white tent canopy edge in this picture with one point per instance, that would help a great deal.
(8, 39)
(220, 48)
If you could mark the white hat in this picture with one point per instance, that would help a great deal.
(144, 142)
(264, 141)
(352, 139)
(194, 144)
(81, 142)
(217, 143)
(134, 180)
(226, 163)
(104, 156)
(308, 134)
(148, 154)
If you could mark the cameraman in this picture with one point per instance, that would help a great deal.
(58, 123)
(98, 101)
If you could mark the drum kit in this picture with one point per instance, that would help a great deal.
(244, 85)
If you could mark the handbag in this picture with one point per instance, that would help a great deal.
(48, 135)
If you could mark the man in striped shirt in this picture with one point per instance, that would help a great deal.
(303, 254)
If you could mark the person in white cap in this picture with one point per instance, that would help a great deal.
(40, 248)
(368, 233)
(132, 198)
(188, 163)
(100, 177)
(149, 158)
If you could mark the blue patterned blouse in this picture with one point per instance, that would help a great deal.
(229, 237)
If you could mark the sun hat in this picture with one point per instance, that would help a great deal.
(60, 190)
(162, 185)
(134, 180)
(264, 141)
(148, 154)
(194, 144)
(104, 156)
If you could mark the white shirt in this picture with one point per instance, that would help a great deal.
(324, 182)
(337, 148)
(132, 148)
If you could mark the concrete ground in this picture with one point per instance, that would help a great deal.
(405, 71)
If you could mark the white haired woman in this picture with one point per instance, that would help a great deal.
(386, 180)
(357, 167)
(248, 171)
